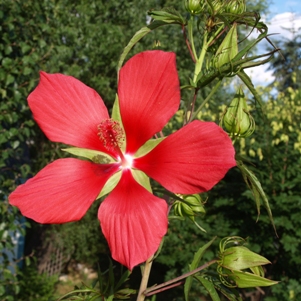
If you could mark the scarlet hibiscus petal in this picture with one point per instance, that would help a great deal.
(62, 191)
(68, 111)
(133, 221)
(149, 95)
(191, 160)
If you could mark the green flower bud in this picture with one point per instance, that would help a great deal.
(240, 267)
(195, 203)
(228, 49)
(241, 258)
(216, 7)
(237, 120)
(194, 7)
(189, 206)
(236, 7)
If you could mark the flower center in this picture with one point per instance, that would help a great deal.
(127, 161)
(112, 136)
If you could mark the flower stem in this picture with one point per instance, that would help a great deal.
(143, 285)
(206, 100)
(176, 281)
(190, 37)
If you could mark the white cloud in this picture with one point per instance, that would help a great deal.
(260, 75)
(287, 20)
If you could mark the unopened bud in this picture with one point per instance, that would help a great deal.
(240, 267)
(194, 6)
(195, 203)
(228, 49)
(237, 120)
(190, 206)
(236, 7)
(216, 7)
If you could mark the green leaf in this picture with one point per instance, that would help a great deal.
(27, 261)
(255, 186)
(123, 278)
(209, 286)
(168, 15)
(230, 294)
(247, 81)
(147, 147)
(93, 155)
(111, 282)
(136, 38)
(195, 263)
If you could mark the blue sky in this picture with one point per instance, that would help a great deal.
(283, 14)
(280, 6)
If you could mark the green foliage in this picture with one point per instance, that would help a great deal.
(286, 66)
(105, 288)
(85, 41)
(34, 286)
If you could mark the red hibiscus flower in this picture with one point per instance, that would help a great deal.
(133, 220)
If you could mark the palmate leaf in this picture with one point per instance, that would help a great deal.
(195, 263)
(256, 188)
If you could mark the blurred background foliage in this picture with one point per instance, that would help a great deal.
(85, 39)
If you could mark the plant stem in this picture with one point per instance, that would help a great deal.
(190, 37)
(200, 60)
(206, 100)
(157, 288)
(143, 285)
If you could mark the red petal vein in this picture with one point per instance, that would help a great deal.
(149, 95)
(61, 192)
(67, 110)
(133, 221)
(191, 160)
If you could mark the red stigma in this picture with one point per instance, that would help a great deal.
(111, 135)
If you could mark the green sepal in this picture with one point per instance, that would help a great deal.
(258, 271)
(241, 258)
(93, 155)
(110, 184)
(116, 110)
(246, 279)
(117, 117)
(142, 179)
(147, 147)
